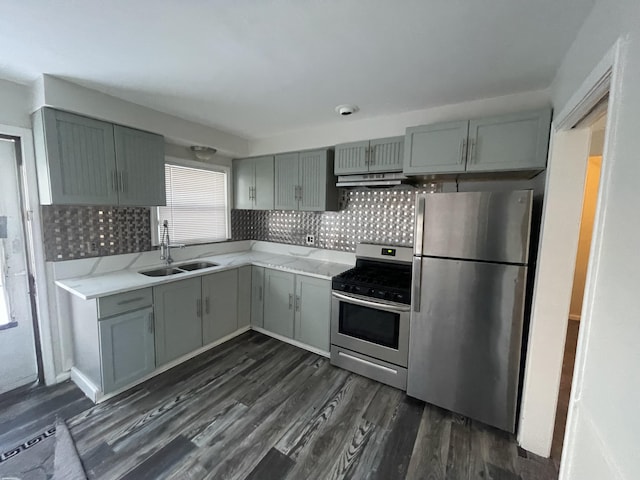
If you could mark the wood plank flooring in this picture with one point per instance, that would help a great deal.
(256, 408)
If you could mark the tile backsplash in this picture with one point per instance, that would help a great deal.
(378, 215)
(69, 231)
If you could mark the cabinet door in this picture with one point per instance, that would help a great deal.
(140, 162)
(278, 302)
(509, 142)
(257, 296)
(313, 311)
(386, 154)
(244, 296)
(438, 148)
(264, 183)
(351, 158)
(286, 181)
(313, 180)
(243, 183)
(127, 348)
(178, 310)
(220, 297)
(80, 159)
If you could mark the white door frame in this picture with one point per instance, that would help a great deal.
(548, 329)
(35, 245)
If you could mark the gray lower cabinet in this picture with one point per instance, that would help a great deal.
(304, 181)
(127, 348)
(220, 297)
(83, 161)
(253, 183)
(313, 311)
(257, 296)
(244, 296)
(506, 143)
(178, 314)
(279, 288)
(379, 155)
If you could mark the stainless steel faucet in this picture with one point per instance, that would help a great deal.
(165, 244)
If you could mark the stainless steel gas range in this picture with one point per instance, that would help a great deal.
(370, 313)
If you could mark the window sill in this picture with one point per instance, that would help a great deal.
(9, 325)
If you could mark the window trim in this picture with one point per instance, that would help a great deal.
(213, 167)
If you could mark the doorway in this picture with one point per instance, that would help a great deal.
(597, 124)
(18, 357)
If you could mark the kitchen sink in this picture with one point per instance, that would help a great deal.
(162, 272)
(189, 267)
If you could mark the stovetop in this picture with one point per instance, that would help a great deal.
(387, 281)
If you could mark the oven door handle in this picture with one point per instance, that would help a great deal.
(367, 303)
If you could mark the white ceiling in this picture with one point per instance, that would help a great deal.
(263, 67)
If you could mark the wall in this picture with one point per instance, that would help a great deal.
(604, 428)
(586, 230)
(55, 92)
(352, 129)
(14, 102)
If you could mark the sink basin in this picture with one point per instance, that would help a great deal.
(189, 267)
(161, 272)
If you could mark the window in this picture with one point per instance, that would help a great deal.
(197, 204)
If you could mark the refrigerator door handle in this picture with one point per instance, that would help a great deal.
(419, 232)
(416, 283)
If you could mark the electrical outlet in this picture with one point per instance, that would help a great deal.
(92, 247)
(311, 239)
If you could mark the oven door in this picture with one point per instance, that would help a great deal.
(372, 327)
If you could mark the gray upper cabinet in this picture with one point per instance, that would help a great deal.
(127, 348)
(304, 181)
(279, 302)
(178, 315)
(140, 174)
(82, 161)
(253, 183)
(220, 298)
(257, 296)
(439, 148)
(509, 142)
(313, 311)
(76, 159)
(380, 155)
(506, 143)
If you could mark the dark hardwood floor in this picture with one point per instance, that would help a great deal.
(256, 408)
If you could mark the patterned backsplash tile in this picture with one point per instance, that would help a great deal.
(70, 230)
(378, 215)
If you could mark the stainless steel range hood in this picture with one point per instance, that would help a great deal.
(372, 180)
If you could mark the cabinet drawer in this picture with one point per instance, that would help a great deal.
(124, 302)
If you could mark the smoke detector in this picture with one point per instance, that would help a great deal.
(346, 110)
(203, 153)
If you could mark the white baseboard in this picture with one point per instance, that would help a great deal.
(63, 377)
(573, 316)
(290, 341)
(84, 384)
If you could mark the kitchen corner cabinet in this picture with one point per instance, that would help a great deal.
(304, 181)
(506, 143)
(127, 348)
(220, 297)
(244, 296)
(257, 297)
(380, 155)
(178, 315)
(296, 307)
(253, 183)
(83, 161)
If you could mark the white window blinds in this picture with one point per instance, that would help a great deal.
(196, 205)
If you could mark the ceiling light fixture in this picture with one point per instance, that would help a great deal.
(346, 110)
(203, 153)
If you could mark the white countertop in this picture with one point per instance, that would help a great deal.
(100, 285)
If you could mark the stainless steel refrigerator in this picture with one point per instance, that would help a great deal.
(468, 295)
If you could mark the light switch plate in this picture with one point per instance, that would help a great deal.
(3, 226)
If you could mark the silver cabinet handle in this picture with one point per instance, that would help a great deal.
(463, 150)
(151, 323)
(416, 280)
(199, 307)
(290, 301)
(130, 300)
(366, 156)
(372, 155)
(300, 192)
(260, 293)
(472, 150)
(418, 235)
(207, 305)
(114, 180)
(297, 303)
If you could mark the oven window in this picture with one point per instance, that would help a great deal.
(370, 324)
